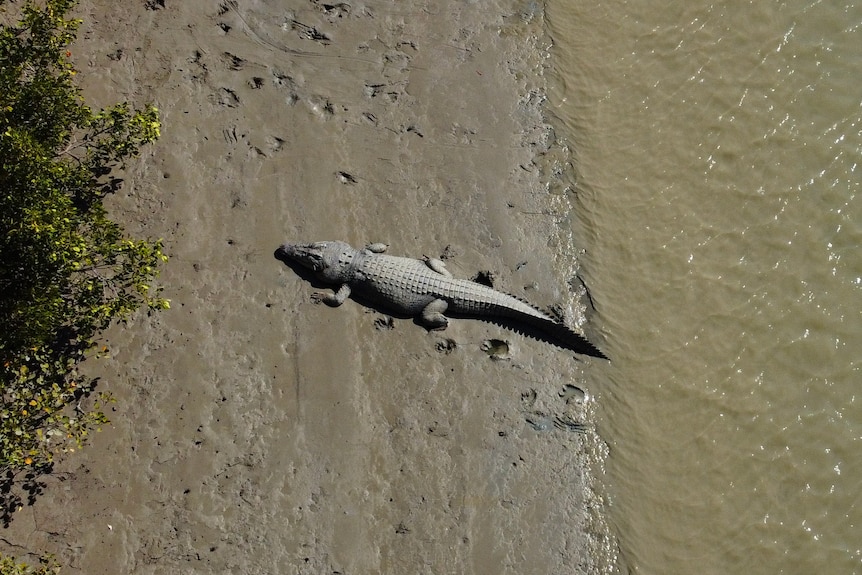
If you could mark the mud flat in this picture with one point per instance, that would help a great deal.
(255, 432)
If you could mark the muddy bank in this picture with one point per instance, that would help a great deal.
(257, 432)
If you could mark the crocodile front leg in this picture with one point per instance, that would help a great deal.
(432, 315)
(332, 299)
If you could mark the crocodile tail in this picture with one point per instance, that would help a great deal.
(571, 339)
(553, 332)
(533, 322)
(481, 302)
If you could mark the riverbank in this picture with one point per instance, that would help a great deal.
(257, 432)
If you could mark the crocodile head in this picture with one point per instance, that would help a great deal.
(330, 261)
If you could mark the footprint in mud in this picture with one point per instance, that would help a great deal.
(274, 143)
(485, 277)
(568, 424)
(395, 61)
(497, 349)
(281, 80)
(229, 135)
(373, 90)
(346, 177)
(384, 322)
(539, 421)
(320, 107)
(227, 97)
(226, 7)
(387, 91)
(543, 422)
(333, 10)
(307, 32)
(528, 398)
(448, 252)
(463, 135)
(255, 152)
(573, 393)
(237, 200)
(413, 129)
(232, 61)
(370, 118)
(446, 346)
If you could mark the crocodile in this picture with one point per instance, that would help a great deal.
(424, 289)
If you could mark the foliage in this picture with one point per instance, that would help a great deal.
(47, 566)
(66, 270)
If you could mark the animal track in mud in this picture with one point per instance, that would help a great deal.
(232, 61)
(572, 393)
(391, 91)
(374, 90)
(230, 135)
(237, 200)
(321, 107)
(307, 32)
(485, 277)
(540, 421)
(197, 60)
(227, 97)
(396, 59)
(226, 7)
(497, 349)
(281, 80)
(528, 398)
(346, 178)
(413, 129)
(465, 44)
(446, 346)
(333, 10)
(274, 143)
(384, 322)
(463, 135)
(556, 311)
(448, 252)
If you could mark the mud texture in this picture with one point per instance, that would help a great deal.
(255, 432)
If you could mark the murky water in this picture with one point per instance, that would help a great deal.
(718, 149)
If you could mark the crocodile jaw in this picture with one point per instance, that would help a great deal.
(310, 256)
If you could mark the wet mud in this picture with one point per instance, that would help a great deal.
(255, 432)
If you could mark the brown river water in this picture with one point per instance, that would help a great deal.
(716, 150)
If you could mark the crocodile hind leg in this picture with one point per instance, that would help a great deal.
(437, 265)
(432, 315)
(377, 248)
